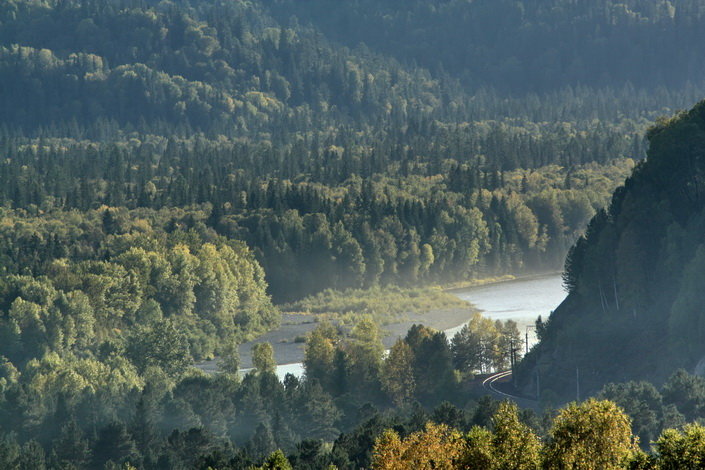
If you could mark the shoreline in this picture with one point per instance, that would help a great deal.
(288, 351)
(506, 279)
(288, 341)
(289, 347)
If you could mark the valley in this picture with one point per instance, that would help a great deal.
(273, 190)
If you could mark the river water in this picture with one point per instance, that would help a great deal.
(521, 300)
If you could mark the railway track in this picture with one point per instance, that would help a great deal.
(489, 385)
(489, 382)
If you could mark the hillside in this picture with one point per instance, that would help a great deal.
(520, 46)
(339, 167)
(635, 308)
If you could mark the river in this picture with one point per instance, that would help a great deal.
(521, 300)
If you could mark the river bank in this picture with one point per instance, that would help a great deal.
(520, 299)
(288, 340)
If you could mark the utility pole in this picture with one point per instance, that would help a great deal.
(513, 356)
(577, 383)
(526, 343)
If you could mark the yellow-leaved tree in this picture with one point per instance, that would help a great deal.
(593, 435)
(515, 445)
(512, 445)
(681, 448)
(437, 447)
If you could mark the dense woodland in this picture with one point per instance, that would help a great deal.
(522, 46)
(171, 171)
(207, 421)
(339, 168)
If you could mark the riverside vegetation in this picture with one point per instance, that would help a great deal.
(385, 304)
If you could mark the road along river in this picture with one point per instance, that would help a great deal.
(521, 300)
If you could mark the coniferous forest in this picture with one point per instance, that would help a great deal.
(174, 172)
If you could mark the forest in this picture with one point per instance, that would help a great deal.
(174, 174)
(339, 167)
(520, 46)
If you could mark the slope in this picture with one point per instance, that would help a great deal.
(635, 308)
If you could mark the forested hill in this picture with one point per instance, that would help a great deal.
(635, 308)
(95, 68)
(340, 167)
(522, 46)
(100, 69)
(340, 162)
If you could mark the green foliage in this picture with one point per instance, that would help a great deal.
(644, 405)
(686, 321)
(423, 366)
(494, 44)
(339, 168)
(365, 350)
(591, 435)
(230, 358)
(511, 444)
(146, 145)
(681, 449)
(163, 346)
(483, 345)
(320, 351)
(686, 392)
(310, 232)
(276, 461)
(155, 291)
(398, 374)
(263, 358)
(515, 445)
(479, 451)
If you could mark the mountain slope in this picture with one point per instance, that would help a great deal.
(635, 308)
(521, 45)
(222, 68)
(338, 167)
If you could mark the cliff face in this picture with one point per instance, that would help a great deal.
(636, 308)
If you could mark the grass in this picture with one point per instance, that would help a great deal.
(478, 282)
(385, 304)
